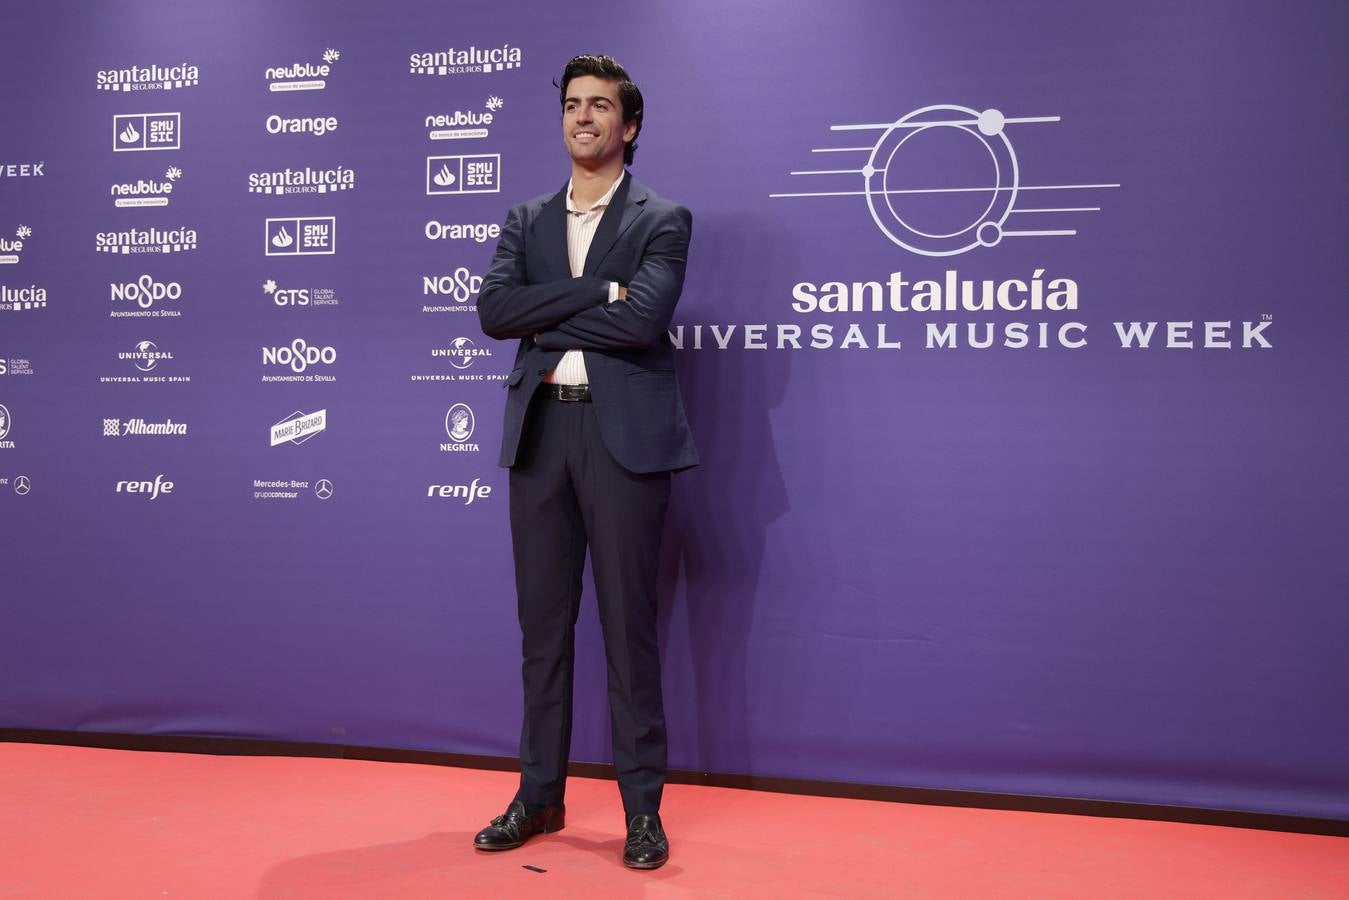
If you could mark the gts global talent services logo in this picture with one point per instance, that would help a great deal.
(307, 296)
(148, 78)
(146, 192)
(302, 76)
(464, 123)
(460, 61)
(15, 365)
(146, 240)
(11, 251)
(302, 181)
(147, 131)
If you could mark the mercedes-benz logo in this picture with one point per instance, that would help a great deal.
(324, 489)
(22, 485)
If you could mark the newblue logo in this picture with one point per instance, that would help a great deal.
(463, 124)
(11, 250)
(146, 192)
(302, 76)
(147, 131)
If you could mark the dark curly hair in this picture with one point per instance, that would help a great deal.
(607, 68)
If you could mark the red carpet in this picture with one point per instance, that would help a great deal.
(84, 823)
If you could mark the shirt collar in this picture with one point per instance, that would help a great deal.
(601, 203)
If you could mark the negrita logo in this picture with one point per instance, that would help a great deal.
(6, 426)
(149, 78)
(302, 76)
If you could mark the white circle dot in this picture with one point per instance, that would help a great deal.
(991, 122)
(989, 233)
(868, 170)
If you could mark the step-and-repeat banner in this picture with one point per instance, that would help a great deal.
(1013, 343)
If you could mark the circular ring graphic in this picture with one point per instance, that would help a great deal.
(881, 182)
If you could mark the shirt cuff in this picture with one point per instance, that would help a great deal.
(613, 291)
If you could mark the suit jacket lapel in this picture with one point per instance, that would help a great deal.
(551, 234)
(623, 209)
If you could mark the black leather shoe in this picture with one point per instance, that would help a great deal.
(646, 847)
(512, 829)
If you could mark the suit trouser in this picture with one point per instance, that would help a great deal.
(567, 491)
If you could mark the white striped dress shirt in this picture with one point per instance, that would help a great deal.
(581, 227)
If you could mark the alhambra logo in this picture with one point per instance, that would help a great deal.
(302, 76)
(146, 240)
(146, 191)
(945, 179)
(11, 250)
(302, 181)
(460, 61)
(148, 78)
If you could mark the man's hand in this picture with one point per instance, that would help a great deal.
(622, 292)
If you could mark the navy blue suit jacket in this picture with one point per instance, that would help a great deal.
(642, 242)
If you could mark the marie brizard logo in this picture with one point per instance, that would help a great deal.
(148, 78)
(944, 180)
(11, 250)
(299, 427)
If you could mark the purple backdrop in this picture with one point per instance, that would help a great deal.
(1090, 570)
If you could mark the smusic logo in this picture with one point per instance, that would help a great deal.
(148, 78)
(146, 240)
(477, 174)
(303, 236)
(147, 131)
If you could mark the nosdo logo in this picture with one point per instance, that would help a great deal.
(467, 492)
(462, 123)
(10, 250)
(298, 355)
(151, 488)
(318, 126)
(302, 236)
(16, 299)
(147, 131)
(459, 286)
(144, 291)
(302, 181)
(148, 78)
(461, 352)
(454, 61)
(299, 296)
(142, 193)
(449, 231)
(146, 356)
(146, 240)
(302, 76)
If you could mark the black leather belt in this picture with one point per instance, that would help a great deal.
(568, 393)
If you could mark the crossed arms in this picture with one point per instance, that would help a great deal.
(573, 313)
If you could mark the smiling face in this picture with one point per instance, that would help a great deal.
(592, 123)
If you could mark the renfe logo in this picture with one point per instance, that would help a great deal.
(469, 492)
(147, 131)
(153, 488)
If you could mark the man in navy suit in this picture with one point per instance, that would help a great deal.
(587, 280)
